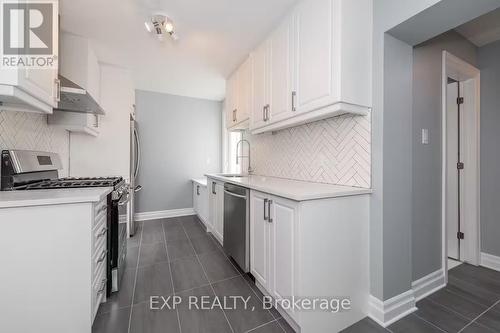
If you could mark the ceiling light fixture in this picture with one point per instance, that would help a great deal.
(160, 25)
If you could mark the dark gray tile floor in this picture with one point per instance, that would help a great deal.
(470, 303)
(177, 257)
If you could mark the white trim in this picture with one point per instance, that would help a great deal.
(387, 312)
(163, 214)
(429, 284)
(490, 261)
(333, 110)
(459, 70)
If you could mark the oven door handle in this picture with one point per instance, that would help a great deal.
(124, 201)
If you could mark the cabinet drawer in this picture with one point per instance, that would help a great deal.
(100, 210)
(98, 291)
(99, 235)
(99, 260)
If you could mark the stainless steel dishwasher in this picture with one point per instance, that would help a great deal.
(236, 224)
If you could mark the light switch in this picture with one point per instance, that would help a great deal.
(425, 136)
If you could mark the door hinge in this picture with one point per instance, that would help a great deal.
(460, 100)
(460, 165)
(460, 235)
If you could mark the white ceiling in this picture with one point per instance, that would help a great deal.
(215, 37)
(482, 30)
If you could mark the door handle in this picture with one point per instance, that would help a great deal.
(235, 115)
(268, 107)
(265, 204)
(198, 190)
(213, 188)
(294, 95)
(58, 90)
(264, 113)
(269, 218)
(138, 188)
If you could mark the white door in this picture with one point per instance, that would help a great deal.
(452, 194)
(219, 220)
(260, 85)
(462, 155)
(314, 64)
(259, 238)
(282, 225)
(281, 71)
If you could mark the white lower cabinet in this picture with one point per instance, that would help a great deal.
(272, 237)
(200, 202)
(311, 250)
(216, 208)
(259, 237)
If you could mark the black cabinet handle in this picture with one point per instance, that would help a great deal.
(269, 218)
(265, 204)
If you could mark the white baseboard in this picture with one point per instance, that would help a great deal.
(387, 312)
(490, 261)
(429, 284)
(163, 214)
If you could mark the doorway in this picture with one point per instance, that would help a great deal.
(461, 108)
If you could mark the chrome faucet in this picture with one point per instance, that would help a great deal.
(250, 170)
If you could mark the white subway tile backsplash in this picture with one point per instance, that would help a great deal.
(23, 130)
(334, 151)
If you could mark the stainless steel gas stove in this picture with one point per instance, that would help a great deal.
(23, 170)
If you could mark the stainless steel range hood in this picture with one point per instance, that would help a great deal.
(74, 98)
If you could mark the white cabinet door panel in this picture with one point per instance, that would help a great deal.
(283, 213)
(219, 221)
(280, 64)
(260, 84)
(259, 238)
(231, 99)
(314, 50)
(244, 91)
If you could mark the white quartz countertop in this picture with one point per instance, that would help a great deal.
(291, 189)
(10, 199)
(200, 181)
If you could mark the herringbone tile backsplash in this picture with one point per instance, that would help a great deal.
(23, 130)
(333, 151)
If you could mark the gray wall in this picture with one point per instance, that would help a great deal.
(386, 15)
(398, 168)
(489, 64)
(426, 228)
(387, 237)
(180, 140)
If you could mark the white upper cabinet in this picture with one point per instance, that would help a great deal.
(239, 96)
(231, 100)
(244, 91)
(281, 71)
(31, 89)
(260, 86)
(315, 65)
(315, 70)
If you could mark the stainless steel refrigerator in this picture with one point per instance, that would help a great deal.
(135, 163)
